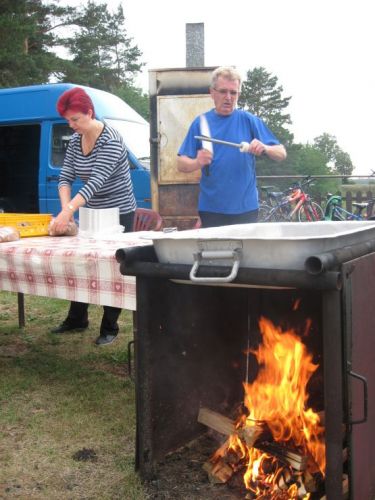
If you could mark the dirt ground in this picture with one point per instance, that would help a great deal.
(181, 476)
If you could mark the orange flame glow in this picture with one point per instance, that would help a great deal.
(278, 396)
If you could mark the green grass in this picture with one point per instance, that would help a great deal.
(59, 395)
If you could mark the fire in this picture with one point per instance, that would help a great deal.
(278, 398)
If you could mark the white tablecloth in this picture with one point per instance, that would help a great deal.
(72, 268)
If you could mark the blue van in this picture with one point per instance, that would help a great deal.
(34, 138)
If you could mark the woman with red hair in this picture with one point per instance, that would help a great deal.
(97, 155)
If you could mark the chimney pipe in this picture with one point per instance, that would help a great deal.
(194, 45)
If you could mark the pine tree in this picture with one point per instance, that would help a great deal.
(262, 96)
(102, 54)
(27, 38)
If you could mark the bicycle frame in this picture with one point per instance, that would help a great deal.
(341, 214)
(335, 211)
(297, 205)
(300, 198)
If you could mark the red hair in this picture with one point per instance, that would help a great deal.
(75, 99)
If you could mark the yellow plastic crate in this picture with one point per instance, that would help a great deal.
(27, 224)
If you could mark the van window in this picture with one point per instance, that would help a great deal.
(61, 135)
(135, 135)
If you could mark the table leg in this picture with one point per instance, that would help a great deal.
(21, 309)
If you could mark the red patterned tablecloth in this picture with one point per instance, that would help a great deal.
(72, 268)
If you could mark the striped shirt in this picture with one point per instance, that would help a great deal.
(105, 171)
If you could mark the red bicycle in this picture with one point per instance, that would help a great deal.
(295, 205)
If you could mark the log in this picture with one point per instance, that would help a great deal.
(218, 472)
(309, 482)
(226, 426)
(250, 434)
(215, 421)
(289, 457)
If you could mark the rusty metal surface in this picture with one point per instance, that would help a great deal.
(181, 200)
(175, 114)
(173, 81)
(181, 223)
(361, 360)
(177, 96)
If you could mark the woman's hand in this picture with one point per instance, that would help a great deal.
(61, 221)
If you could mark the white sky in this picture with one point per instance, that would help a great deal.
(321, 52)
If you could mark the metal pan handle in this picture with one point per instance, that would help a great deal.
(201, 256)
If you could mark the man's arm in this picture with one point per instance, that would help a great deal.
(186, 164)
(277, 152)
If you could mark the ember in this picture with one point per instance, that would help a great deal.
(286, 444)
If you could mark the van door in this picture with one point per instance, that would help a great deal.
(19, 167)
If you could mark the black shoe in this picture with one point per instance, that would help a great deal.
(66, 327)
(105, 339)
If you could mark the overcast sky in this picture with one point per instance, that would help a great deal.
(321, 52)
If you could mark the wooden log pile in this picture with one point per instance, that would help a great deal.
(294, 466)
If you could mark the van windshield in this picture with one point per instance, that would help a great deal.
(136, 137)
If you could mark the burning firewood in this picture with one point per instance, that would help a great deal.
(292, 458)
(309, 482)
(218, 472)
(226, 426)
(216, 421)
(277, 443)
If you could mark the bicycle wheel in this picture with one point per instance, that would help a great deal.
(263, 213)
(310, 212)
(278, 214)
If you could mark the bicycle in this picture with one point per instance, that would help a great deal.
(271, 199)
(296, 205)
(334, 210)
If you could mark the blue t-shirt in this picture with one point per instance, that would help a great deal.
(231, 186)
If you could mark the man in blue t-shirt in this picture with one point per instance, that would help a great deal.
(228, 192)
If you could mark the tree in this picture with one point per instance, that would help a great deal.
(338, 160)
(103, 56)
(27, 37)
(262, 96)
(343, 163)
(136, 99)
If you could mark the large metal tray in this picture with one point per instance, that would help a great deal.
(278, 245)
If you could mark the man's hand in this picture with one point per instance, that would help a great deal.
(276, 152)
(255, 147)
(204, 157)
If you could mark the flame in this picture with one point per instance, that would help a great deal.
(278, 396)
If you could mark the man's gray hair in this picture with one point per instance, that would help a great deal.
(228, 72)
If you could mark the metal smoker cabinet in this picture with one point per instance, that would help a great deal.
(177, 96)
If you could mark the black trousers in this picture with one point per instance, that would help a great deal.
(212, 219)
(78, 317)
(78, 311)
